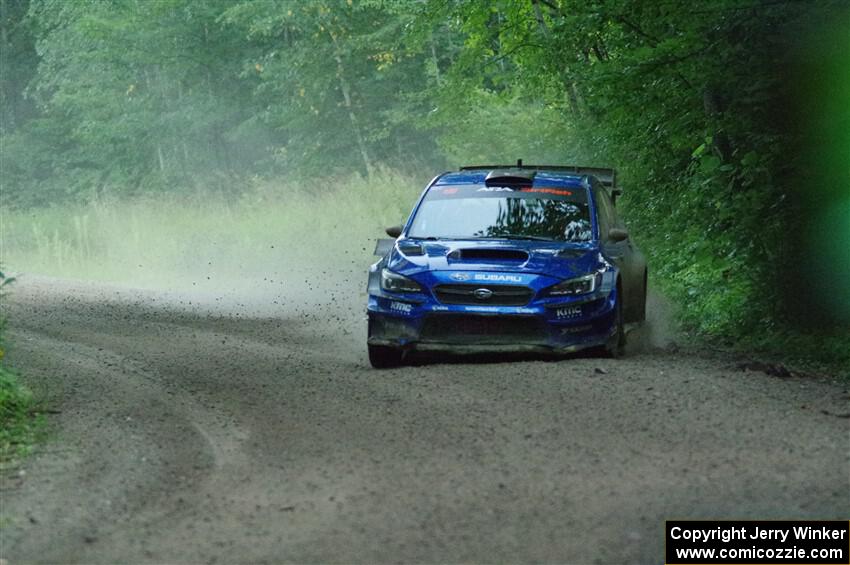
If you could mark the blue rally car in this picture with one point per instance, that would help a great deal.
(507, 258)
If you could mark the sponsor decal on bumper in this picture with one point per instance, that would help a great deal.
(560, 326)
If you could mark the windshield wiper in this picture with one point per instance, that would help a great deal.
(508, 236)
(520, 236)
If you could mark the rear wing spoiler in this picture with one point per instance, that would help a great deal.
(605, 175)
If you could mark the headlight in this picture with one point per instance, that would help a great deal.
(394, 282)
(581, 285)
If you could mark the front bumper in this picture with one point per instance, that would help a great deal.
(565, 325)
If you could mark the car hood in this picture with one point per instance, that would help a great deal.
(559, 259)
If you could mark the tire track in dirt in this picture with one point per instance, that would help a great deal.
(263, 436)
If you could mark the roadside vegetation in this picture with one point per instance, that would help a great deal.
(179, 240)
(135, 133)
(20, 423)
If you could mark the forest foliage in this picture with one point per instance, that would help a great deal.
(708, 109)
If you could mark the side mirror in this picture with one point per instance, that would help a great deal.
(394, 231)
(617, 234)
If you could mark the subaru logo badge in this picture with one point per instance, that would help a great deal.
(482, 293)
(459, 277)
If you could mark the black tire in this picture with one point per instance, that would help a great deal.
(617, 342)
(383, 357)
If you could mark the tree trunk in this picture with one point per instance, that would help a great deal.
(8, 117)
(714, 108)
(160, 159)
(435, 61)
(572, 96)
(346, 95)
(569, 85)
(541, 23)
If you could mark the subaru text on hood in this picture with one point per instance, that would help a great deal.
(507, 258)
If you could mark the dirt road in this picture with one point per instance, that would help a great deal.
(205, 429)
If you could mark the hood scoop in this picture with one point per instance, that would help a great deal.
(478, 254)
(510, 178)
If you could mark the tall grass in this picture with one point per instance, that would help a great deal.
(262, 230)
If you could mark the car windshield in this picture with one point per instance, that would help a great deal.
(468, 212)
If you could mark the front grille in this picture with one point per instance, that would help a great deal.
(502, 295)
(477, 328)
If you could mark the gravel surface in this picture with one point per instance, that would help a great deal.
(204, 429)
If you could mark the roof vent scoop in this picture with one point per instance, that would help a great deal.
(510, 178)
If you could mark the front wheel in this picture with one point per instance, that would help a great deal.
(617, 342)
(383, 357)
